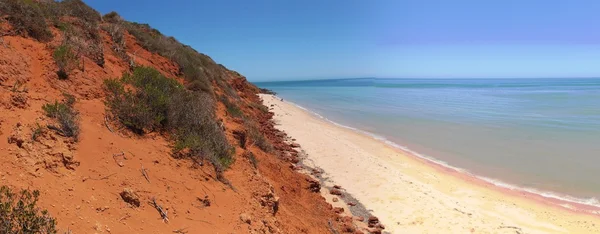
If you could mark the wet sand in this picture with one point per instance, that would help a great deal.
(412, 195)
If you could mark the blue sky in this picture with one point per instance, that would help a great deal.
(315, 39)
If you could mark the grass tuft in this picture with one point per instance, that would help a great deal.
(232, 109)
(67, 118)
(65, 59)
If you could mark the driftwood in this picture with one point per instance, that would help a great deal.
(145, 174)
(163, 213)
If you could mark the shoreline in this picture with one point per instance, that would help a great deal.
(539, 203)
(546, 197)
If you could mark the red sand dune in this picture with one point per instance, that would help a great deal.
(81, 182)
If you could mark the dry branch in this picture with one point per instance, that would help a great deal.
(58, 130)
(181, 230)
(163, 213)
(199, 220)
(101, 178)
(106, 123)
(512, 227)
(125, 217)
(145, 174)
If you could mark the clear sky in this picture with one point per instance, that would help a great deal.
(315, 39)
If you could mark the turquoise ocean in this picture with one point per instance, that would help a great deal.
(538, 135)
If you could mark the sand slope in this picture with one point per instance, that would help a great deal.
(80, 182)
(411, 196)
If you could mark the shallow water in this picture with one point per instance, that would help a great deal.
(535, 133)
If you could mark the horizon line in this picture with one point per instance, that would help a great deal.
(426, 78)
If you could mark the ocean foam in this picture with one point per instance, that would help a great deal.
(498, 183)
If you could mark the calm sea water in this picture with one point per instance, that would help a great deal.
(532, 133)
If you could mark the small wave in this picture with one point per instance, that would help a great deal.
(498, 183)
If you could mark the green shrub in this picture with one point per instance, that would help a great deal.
(54, 110)
(115, 30)
(64, 27)
(67, 117)
(252, 158)
(36, 131)
(84, 33)
(262, 108)
(257, 137)
(26, 16)
(156, 102)
(146, 108)
(197, 68)
(69, 99)
(232, 109)
(65, 59)
(19, 213)
(112, 17)
(78, 9)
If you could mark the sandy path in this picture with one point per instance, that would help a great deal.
(410, 196)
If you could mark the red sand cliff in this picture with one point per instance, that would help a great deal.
(80, 182)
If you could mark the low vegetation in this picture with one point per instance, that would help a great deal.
(157, 103)
(232, 109)
(26, 17)
(78, 22)
(19, 213)
(65, 115)
(65, 59)
(197, 68)
(36, 131)
(144, 100)
(257, 137)
(262, 108)
(252, 158)
(116, 32)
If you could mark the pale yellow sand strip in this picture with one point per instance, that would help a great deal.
(410, 196)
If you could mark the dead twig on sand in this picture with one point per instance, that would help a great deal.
(106, 177)
(101, 178)
(117, 155)
(163, 213)
(106, 123)
(199, 220)
(58, 130)
(517, 229)
(120, 163)
(465, 213)
(331, 228)
(125, 217)
(145, 174)
(181, 230)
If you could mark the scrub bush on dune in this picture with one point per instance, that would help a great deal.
(26, 17)
(157, 103)
(66, 117)
(19, 213)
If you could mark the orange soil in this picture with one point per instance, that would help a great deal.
(80, 181)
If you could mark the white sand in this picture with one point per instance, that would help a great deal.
(410, 196)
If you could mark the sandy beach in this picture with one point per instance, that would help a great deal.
(412, 195)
